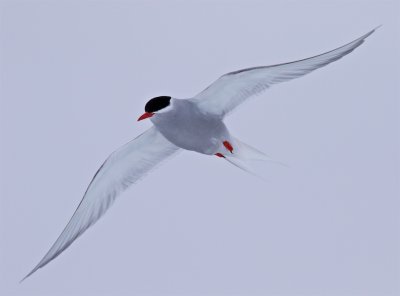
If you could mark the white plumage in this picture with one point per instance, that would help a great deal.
(192, 124)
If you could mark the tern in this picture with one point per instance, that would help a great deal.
(194, 124)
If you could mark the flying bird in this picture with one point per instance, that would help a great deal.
(194, 124)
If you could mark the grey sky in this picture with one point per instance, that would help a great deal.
(75, 76)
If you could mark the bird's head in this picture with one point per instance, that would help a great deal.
(155, 106)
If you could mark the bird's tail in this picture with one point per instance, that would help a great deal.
(246, 152)
(243, 155)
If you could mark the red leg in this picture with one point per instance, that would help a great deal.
(219, 155)
(228, 146)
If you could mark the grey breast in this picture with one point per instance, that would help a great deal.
(188, 128)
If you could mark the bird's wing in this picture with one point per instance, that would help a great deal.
(121, 169)
(233, 88)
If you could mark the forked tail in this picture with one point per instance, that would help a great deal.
(243, 154)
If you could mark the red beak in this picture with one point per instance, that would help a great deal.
(145, 115)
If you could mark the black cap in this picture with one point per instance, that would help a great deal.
(157, 103)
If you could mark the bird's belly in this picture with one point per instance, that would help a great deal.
(205, 146)
(204, 140)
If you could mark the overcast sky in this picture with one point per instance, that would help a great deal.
(75, 75)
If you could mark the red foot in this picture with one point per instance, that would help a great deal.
(219, 155)
(228, 146)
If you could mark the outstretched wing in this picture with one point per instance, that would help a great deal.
(233, 88)
(121, 169)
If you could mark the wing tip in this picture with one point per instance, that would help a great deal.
(377, 27)
(29, 274)
(370, 32)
